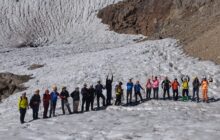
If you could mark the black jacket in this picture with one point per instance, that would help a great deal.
(84, 93)
(35, 100)
(109, 83)
(91, 94)
(99, 88)
(64, 95)
(166, 84)
(75, 95)
(196, 83)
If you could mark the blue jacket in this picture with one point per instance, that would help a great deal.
(54, 96)
(129, 86)
(137, 88)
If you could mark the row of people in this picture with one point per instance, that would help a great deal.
(50, 99)
(89, 94)
(154, 85)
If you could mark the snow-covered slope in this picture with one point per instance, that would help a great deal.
(78, 49)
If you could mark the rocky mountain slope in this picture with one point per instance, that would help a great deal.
(194, 22)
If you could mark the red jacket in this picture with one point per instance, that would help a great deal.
(175, 85)
(46, 98)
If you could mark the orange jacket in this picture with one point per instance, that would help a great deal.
(205, 84)
(175, 85)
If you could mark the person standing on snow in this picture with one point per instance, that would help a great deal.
(64, 95)
(137, 91)
(148, 89)
(130, 86)
(205, 85)
(175, 87)
(109, 90)
(46, 103)
(84, 93)
(22, 106)
(196, 84)
(76, 98)
(53, 97)
(185, 87)
(35, 104)
(166, 84)
(119, 93)
(91, 97)
(155, 87)
(98, 90)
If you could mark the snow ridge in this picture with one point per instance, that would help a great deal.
(43, 22)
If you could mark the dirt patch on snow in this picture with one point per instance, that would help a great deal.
(194, 22)
(11, 83)
(35, 66)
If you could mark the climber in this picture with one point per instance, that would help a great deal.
(175, 87)
(166, 84)
(155, 86)
(98, 90)
(46, 103)
(205, 85)
(196, 84)
(91, 97)
(76, 98)
(137, 91)
(64, 95)
(22, 106)
(109, 90)
(53, 98)
(185, 87)
(119, 93)
(35, 103)
(148, 89)
(84, 93)
(130, 86)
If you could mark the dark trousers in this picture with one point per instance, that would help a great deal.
(22, 115)
(138, 93)
(195, 93)
(65, 103)
(35, 109)
(52, 108)
(148, 93)
(129, 96)
(87, 104)
(83, 103)
(90, 103)
(175, 94)
(166, 91)
(118, 99)
(109, 96)
(156, 90)
(46, 106)
(185, 92)
(100, 95)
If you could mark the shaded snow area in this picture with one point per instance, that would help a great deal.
(76, 49)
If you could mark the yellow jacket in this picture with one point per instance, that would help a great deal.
(23, 103)
(185, 85)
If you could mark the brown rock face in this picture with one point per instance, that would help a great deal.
(10, 83)
(186, 20)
